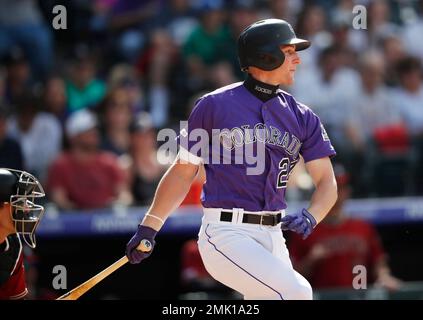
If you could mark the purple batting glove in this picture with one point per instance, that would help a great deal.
(144, 237)
(301, 222)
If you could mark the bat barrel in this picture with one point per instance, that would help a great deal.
(87, 285)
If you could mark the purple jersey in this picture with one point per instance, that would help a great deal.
(285, 127)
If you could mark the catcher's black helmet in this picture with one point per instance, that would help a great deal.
(20, 189)
(259, 44)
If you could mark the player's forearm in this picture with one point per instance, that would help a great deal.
(323, 198)
(170, 193)
(326, 193)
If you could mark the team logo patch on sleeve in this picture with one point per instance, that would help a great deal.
(324, 133)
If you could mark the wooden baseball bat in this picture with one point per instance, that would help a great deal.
(87, 285)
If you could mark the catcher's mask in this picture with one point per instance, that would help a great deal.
(21, 189)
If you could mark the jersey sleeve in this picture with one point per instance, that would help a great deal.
(195, 135)
(316, 143)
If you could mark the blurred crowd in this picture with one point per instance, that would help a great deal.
(80, 107)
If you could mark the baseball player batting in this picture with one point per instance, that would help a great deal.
(241, 240)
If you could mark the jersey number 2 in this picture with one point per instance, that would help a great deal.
(284, 173)
(286, 167)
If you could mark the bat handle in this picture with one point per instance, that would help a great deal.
(145, 246)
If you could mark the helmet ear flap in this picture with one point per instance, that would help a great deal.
(267, 58)
(270, 61)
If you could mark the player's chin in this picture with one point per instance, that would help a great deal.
(289, 81)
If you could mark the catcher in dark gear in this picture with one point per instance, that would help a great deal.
(19, 218)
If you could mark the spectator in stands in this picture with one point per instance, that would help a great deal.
(85, 177)
(39, 133)
(54, 98)
(207, 44)
(408, 98)
(18, 75)
(131, 21)
(379, 26)
(179, 20)
(326, 94)
(83, 88)
(162, 65)
(242, 14)
(116, 117)
(145, 170)
(380, 22)
(342, 12)
(340, 29)
(21, 23)
(312, 24)
(393, 52)
(284, 9)
(338, 244)
(373, 112)
(10, 150)
(2, 85)
(222, 74)
(413, 28)
(124, 76)
(155, 65)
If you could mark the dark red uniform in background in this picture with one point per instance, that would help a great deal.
(12, 272)
(348, 243)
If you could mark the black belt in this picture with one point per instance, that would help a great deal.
(263, 219)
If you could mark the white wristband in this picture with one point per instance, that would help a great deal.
(155, 217)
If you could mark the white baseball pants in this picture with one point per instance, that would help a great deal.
(250, 258)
